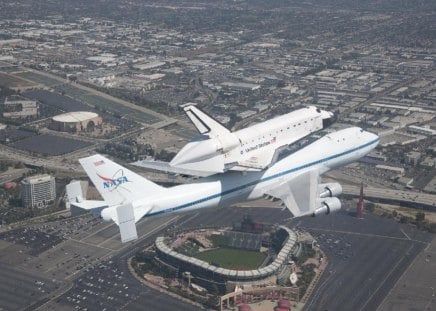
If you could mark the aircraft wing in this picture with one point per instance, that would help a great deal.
(255, 161)
(299, 194)
(304, 195)
(259, 160)
(167, 168)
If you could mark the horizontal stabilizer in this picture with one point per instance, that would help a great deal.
(90, 204)
(77, 199)
(126, 223)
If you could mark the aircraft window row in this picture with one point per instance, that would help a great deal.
(281, 130)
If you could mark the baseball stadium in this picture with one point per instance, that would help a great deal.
(219, 260)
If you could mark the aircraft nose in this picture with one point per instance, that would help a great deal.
(372, 137)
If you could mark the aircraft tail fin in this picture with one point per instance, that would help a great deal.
(204, 123)
(116, 184)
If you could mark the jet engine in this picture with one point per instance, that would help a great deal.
(328, 206)
(329, 190)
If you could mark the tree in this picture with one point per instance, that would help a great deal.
(404, 219)
(370, 206)
(420, 216)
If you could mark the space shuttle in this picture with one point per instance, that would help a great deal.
(218, 150)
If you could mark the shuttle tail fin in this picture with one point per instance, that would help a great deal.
(116, 184)
(204, 123)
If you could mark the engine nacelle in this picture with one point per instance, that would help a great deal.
(329, 190)
(328, 206)
(106, 214)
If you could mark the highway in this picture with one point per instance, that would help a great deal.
(403, 197)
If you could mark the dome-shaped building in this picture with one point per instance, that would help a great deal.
(76, 121)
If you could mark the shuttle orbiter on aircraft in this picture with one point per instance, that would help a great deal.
(294, 180)
(218, 149)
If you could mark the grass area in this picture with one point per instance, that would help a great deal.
(231, 258)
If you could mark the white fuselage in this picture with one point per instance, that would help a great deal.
(282, 130)
(253, 147)
(333, 150)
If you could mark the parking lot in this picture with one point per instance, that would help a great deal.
(366, 259)
(46, 144)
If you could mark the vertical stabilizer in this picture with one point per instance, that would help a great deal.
(116, 184)
(204, 123)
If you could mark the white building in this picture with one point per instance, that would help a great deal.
(38, 191)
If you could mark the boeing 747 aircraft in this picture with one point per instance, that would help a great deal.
(295, 180)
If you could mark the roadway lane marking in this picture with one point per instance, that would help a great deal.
(70, 286)
(384, 280)
(405, 234)
(365, 234)
(93, 245)
(404, 274)
(94, 233)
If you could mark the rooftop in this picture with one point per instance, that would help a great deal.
(76, 116)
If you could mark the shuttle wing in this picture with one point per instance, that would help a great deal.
(256, 161)
(299, 194)
(204, 123)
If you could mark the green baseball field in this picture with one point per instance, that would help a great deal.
(231, 258)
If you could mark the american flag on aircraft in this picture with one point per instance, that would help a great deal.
(101, 162)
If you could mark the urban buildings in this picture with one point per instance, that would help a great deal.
(19, 107)
(38, 191)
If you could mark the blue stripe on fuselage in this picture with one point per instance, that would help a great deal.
(214, 196)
